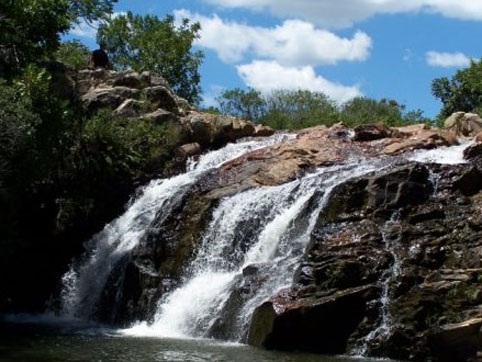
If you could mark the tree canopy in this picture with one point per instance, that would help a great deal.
(149, 43)
(74, 54)
(30, 29)
(461, 93)
(284, 109)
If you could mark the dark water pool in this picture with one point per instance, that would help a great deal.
(81, 343)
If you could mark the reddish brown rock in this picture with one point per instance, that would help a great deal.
(371, 132)
(478, 138)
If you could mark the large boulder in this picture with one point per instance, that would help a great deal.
(317, 325)
(148, 96)
(464, 124)
(129, 108)
(211, 129)
(459, 341)
(371, 132)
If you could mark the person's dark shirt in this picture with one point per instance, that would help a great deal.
(100, 58)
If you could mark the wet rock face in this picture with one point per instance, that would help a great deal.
(156, 265)
(408, 252)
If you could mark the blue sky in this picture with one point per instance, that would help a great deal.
(344, 48)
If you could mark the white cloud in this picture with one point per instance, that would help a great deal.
(267, 76)
(446, 60)
(293, 43)
(210, 97)
(342, 13)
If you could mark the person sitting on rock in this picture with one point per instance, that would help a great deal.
(99, 58)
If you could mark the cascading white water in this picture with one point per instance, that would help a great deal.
(85, 280)
(384, 329)
(274, 243)
(443, 155)
(268, 227)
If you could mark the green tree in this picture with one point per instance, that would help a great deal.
(17, 129)
(247, 104)
(90, 10)
(461, 93)
(74, 54)
(363, 110)
(30, 29)
(299, 109)
(149, 43)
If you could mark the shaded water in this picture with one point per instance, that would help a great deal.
(57, 343)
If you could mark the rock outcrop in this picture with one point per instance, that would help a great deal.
(132, 95)
(464, 124)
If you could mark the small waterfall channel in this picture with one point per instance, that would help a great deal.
(391, 234)
(250, 250)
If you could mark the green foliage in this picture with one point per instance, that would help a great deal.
(149, 43)
(363, 110)
(121, 145)
(90, 10)
(211, 110)
(247, 104)
(17, 129)
(462, 93)
(302, 108)
(30, 29)
(299, 109)
(73, 53)
(55, 115)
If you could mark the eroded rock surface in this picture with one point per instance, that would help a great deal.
(408, 244)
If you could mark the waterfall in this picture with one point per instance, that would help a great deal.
(391, 235)
(84, 282)
(266, 229)
(250, 250)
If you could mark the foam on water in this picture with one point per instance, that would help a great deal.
(443, 155)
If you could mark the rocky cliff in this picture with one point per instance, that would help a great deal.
(393, 268)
